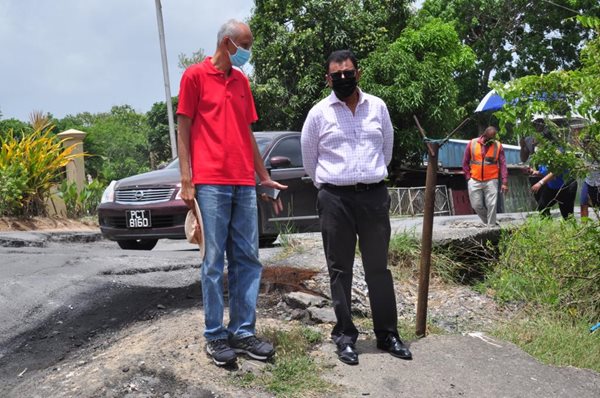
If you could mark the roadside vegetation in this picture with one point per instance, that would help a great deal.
(29, 166)
(548, 268)
(551, 267)
(294, 372)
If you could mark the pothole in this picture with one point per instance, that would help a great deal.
(146, 270)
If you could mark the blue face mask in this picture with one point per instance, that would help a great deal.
(240, 57)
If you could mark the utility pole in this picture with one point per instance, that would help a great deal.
(165, 66)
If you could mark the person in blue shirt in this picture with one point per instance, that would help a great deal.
(558, 189)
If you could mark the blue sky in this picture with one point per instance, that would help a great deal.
(70, 56)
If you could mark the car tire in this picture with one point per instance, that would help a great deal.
(266, 241)
(139, 244)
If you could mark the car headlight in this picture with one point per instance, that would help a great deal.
(109, 193)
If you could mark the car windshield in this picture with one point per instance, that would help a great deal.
(173, 165)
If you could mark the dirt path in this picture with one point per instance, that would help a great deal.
(46, 224)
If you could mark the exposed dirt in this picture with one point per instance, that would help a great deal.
(150, 344)
(47, 224)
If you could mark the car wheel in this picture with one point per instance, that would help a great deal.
(266, 241)
(139, 244)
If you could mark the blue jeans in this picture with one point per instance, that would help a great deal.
(230, 223)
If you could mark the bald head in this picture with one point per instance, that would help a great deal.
(234, 30)
(490, 132)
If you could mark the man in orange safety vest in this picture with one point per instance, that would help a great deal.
(484, 164)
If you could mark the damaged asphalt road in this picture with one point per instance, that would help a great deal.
(56, 296)
(87, 319)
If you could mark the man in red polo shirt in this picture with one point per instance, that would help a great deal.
(218, 157)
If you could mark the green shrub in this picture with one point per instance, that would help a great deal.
(553, 263)
(456, 264)
(13, 187)
(82, 203)
(35, 162)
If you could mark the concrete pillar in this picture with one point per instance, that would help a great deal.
(76, 167)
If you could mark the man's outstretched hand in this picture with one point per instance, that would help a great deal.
(277, 204)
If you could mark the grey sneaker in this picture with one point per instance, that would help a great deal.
(253, 347)
(220, 352)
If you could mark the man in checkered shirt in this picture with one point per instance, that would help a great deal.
(347, 142)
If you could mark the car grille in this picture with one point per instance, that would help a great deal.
(157, 221)
(146, 195)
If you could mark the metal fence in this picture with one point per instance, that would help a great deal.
(411, 201)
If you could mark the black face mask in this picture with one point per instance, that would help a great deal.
(343, 88)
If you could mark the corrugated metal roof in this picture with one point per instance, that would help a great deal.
(452, 152)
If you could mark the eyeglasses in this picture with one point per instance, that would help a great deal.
(348, 74)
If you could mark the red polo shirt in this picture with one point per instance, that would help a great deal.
(221, 110)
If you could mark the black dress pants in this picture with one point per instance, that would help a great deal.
(344, 215)
(565, 197)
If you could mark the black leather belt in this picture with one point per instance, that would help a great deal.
(360, 187)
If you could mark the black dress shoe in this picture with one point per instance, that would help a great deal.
(347, 354)
(394, 346)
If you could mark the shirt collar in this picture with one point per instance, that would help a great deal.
(212, 70)
(485, 142)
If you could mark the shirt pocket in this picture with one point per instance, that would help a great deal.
(371, 130)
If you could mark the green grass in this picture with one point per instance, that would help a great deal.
(552, 263)
(294, 372)
(554, 338)
(451, 264)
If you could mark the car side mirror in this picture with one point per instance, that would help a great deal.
(162, 166)
(280, 162)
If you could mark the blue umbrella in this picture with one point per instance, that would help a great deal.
(491, 102)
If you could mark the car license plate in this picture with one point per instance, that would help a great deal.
(138, 219)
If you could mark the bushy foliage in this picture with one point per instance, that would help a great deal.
(565, 93)
(514, 38)
(158, 134)
(13, 187)
(81, 203)
(17, 127)
(116, 141)
(551, 263)
(294, 38)
(30, 166)
(416, 75)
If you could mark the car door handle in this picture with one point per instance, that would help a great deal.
(306, 179)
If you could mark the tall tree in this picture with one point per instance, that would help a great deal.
(116, 141)
(292, 39)
(417, 75)
(514, 38)
(18, 127)
(568, 93)
(196, 57)
(158, 133)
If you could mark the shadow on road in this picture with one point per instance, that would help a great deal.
(107, 309)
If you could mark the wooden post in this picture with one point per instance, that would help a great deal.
(433, 148)
(427, 238)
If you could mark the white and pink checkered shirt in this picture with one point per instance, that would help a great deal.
(340, 148)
